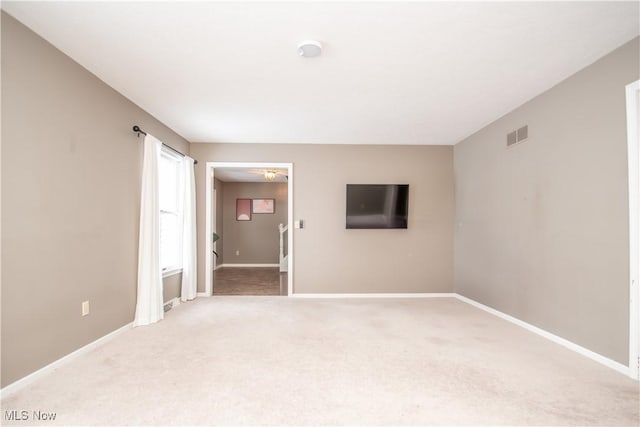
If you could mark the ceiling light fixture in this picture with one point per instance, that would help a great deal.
(309, 48)
(270, 175)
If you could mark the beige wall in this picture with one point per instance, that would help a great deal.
(70, 203)
(328, 258)
(542, 227)
(258, 240)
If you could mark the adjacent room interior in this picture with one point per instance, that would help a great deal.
(320, 213)
(250, 218)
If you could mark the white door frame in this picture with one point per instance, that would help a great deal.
(210, 216)
(633, 153)
(214, 209)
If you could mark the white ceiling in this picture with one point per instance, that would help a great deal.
(390, 73)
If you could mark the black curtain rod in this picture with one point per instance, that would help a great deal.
(139, 131)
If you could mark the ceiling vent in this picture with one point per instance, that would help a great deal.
(518, 136)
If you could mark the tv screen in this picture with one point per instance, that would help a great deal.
(377, 205)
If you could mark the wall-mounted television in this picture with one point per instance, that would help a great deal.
(377, 205)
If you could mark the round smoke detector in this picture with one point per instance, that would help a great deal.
(309, 48)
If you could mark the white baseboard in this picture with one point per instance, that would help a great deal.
(22, 382)
(249, 265)
(174, 302)
(376, 295)
(612, 364)
(617, 366)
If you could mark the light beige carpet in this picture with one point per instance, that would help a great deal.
(284, 361)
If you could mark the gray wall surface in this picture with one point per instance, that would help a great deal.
(327, 257)
(258, 240)
(70, 203)
(542, 227)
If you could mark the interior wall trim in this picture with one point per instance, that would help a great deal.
(248, 265)
(603, 360)
(174, 302)
(378, 295)
(633, 152)
(24, 381)
(609, 363)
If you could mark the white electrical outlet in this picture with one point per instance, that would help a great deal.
(238, 253)
(85, 308)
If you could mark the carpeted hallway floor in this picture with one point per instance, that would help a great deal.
(289, 361)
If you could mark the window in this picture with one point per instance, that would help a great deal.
(170, 211)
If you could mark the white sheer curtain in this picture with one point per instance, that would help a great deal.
(189, 273)
(149, 305)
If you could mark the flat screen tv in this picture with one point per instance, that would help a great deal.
(377, 205)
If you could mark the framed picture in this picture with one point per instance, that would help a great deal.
(264, 206)
(243, 209)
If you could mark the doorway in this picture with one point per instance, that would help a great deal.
(212, 225)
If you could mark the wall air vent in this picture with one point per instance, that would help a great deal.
(523, 133)
(518, 136)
